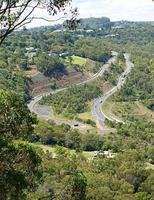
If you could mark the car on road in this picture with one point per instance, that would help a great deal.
(76, 125)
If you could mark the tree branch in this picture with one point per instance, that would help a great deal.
(13, 13)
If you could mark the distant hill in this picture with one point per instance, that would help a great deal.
(95, 23)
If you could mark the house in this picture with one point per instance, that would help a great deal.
(30, 49)
(30, 52)
(118, 27)
(106, 154)
(111, 35)
(89, 31)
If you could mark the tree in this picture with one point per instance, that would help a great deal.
(23, 64)
(150, 153)
(15, 118)
(74, 140)
(70, 59)
(50, 65)
(17, 13)
(76, 185)
(19, 161)
(19, 169)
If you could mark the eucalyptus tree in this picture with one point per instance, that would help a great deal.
(14, 14)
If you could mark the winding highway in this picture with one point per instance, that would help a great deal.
(97, 106)
(44, 111)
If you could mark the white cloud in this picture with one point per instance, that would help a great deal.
(134, 10)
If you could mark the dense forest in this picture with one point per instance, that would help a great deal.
(42, 159)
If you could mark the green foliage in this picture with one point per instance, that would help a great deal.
(51, 134)
(15, 14)
(77, 185)
(15, 118)
(20, 163)
(94, 49)
(140, 83)
(113, 73)
(50, 66)
(23, 64)
(86, 121)
(14, 81)
(20, 171)
(70, 175)
(73, 100)
(123, 177)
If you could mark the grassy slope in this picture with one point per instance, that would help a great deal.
(121, 110)
(79, 60)
(85, 64)
(51, 149)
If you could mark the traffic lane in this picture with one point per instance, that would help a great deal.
(99, 102)
(36, 99)
(100, 116)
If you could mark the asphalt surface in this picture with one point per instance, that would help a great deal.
(97, 106)
(43, 111)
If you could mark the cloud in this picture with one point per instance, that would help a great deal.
(133, 10)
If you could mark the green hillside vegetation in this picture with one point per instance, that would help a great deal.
(126, 110)
(140, 84)
(83, 64)
(73, 100)
(77, 60)
(132, 144)
(95, 23)
(50, 133)
(112, 74)
(10, 75)
(74, 171)
(133, 148)
(94, 49)
(50, 65)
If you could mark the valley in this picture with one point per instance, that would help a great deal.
(77, 112)
(45, 111)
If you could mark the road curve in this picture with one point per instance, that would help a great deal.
(32, 105)
(97, 106)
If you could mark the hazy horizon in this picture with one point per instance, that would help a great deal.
(116, 10)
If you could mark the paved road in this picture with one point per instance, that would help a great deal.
(44, 112)
(41, 110)
(97, 106)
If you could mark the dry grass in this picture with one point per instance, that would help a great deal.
(121, 109)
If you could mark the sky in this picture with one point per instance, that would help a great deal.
(132, 10)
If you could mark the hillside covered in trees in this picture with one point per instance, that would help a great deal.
(53, 159)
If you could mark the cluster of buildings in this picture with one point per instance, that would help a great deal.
(32, 52)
